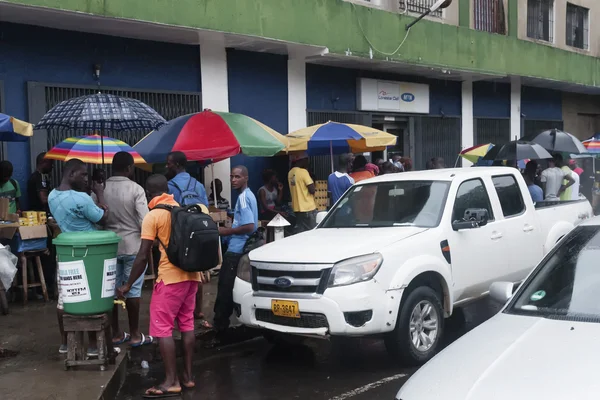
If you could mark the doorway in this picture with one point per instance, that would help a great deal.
(402, 147)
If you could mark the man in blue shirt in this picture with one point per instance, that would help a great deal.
(75, 211)
(536, 192)
(245, 223)
(339, 181)
(185, 189)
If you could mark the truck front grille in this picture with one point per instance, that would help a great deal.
(306, 320)
(284, 279)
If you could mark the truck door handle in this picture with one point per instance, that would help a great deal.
(528, 228)
(496, 235)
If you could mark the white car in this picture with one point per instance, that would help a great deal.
(398, 253)
(544, 344)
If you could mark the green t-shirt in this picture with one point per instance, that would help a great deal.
(12, 191)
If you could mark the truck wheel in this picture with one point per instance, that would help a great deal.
(282, 339)
(419, 327)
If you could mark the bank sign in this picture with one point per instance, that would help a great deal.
(402, 97)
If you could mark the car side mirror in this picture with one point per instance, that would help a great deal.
(473, 218)
(501, 291)
(321, 216)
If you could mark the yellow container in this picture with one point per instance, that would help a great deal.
(30, 214)
(41, 215)
(23, 222)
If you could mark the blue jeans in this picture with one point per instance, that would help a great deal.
(124, 266)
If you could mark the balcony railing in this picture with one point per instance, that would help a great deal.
(419, 6)
(489, 16)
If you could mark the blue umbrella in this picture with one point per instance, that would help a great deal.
(14, 130)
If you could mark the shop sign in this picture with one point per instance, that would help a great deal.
(403, 97)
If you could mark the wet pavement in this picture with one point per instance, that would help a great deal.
(356, 369)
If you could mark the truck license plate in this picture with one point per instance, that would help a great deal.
(284, 308)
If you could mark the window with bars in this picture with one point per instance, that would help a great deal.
(577, 26)
(540, 20)
(419, 6)
(489, 16)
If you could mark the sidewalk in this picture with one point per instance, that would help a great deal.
(37, 372)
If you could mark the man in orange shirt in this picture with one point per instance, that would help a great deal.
(359, 171)
(174, 293)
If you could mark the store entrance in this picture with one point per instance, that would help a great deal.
(402, 147)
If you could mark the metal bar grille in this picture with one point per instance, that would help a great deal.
(533, 127)
(489, 16)
(577, 26)
(321, 165)
(491, 130)
(540, 20)
(168, 104)
(437, 137)
(419, 6)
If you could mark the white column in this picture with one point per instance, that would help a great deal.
(215, 96)
(467, 133)
(296, 93)
(515, 109)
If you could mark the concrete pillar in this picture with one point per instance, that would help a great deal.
(467, 133)
(296, 93)
(215, 96)
(516, 130)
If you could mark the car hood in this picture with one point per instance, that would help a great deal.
(330, 245)
(514, 357)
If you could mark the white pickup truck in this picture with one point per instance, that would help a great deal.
(397, 253)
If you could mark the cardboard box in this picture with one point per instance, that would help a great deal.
(33, 232)
(219, 216)
(10, 223)
(4, 203)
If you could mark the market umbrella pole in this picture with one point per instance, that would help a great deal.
(331, 156)
(214, 190)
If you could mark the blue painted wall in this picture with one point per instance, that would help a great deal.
(332, 88)
(491, 100)
(258, 88)
(30, 53)
(541, 104)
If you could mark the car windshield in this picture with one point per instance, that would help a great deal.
(566, 286)
(385, 204)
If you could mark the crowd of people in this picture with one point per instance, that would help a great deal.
(558, 182)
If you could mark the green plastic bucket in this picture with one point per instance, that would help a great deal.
(87, 265)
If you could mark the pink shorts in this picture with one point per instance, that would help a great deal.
(172, 302)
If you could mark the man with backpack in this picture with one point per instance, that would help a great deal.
(175, 290)
(185, 189)
(245, 223)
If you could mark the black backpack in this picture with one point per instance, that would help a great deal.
(194, 242)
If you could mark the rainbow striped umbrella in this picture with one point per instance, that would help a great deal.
(593, 144)
(89, 150)
(473, 154)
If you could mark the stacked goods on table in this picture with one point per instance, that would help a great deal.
(219, 216)
(321, 196)
(27, 233)
(33, 218)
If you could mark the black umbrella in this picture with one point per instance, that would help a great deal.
(517, 150)
(555, 140)
(101, 112)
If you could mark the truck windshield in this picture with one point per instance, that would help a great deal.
(386, 204)
(566, 286)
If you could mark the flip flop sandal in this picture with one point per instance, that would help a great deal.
(204, 324)
(145, 340)
(164, 392)
(126, 338)
(188, 387)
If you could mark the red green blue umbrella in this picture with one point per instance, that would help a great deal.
(593, 144)
(89, 150)
(211, 136)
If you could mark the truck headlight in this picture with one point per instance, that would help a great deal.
(244, 271)
(354, 270)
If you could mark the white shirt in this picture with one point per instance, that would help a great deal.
(553, 178)
(575, 187)
(127, 205)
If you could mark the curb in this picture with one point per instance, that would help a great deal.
(117, 379)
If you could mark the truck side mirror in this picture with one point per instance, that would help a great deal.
(473, 218)
(321, 216)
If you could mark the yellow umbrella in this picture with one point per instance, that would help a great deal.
(340, 137)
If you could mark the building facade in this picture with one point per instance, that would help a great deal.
(478, 71)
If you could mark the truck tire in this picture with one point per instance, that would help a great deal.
(282, 339)
(419, 327)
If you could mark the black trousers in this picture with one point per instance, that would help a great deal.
(224, 302)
